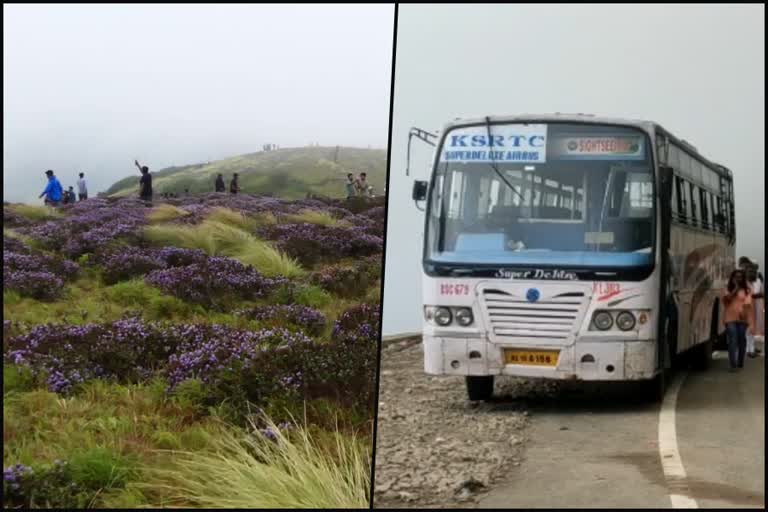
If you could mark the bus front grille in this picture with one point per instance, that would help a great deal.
(551, 319)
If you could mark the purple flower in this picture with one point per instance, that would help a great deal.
(210, 283)
(310, 319)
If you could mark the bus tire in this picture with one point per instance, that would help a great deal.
(479, 387)
(656, 388)
(702, 358)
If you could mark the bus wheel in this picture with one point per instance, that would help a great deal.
(480, 388)
(702, 358)
(656, 388)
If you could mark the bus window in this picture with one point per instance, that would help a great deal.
(681, 203)
(674, 157)
(638, 196)
(693, 211)
(704, 208)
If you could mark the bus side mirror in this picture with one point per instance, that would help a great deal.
(419, 190)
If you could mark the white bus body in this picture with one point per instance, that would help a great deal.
(533, 311)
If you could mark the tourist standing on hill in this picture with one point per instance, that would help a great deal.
(53, 190)
(69, 196)
(220, 187)
(351, 186)
(234, 185)
(82, 189)
(145, 183)
(362, 185)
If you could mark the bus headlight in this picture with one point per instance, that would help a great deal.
(443, 316)
(625, 321)
(603, 320)
(464, 317)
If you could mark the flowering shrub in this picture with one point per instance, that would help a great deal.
(89, 226)
(126, 262)
(217, 354)
(345, 368)
(343, 281)
(52, 486)
(309, 319)
(311, 243)
(214, 282)
(14, 245)
(128, 350)
(178, 257)
(37, 285)
(37, 276)
(358, 325)
(12, 218)
(66, 269)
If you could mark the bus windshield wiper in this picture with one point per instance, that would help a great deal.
(493, 161)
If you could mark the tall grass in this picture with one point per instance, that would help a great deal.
(316, 217)
(166, 213)
(219, 239)
(189, 237)
(35, 213)
(295, 469)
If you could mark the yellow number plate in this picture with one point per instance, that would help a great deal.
(531, 357)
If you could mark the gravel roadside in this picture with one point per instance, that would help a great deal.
(434, 448)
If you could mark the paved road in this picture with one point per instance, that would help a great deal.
(590, 448)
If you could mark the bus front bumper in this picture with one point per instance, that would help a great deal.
(609, 361)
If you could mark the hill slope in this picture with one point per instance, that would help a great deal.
(287, 172)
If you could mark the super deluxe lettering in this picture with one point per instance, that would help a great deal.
(553, 275)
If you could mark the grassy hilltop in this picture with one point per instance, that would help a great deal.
(287, 172)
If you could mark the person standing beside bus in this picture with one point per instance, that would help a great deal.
(754, 278)
(737, 300)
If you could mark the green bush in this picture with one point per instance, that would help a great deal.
(190, 395)
(17, 378)
(101, 468)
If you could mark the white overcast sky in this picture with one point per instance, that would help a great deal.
(91, 87)
(698, 70)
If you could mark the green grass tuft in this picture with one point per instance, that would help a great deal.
(99, 468)
(232, 218)
(166, 213)
(35, 213)
(219, 239)
(301, 469)
(17, 379)
(316, 217)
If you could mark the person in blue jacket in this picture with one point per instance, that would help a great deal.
(52, 191)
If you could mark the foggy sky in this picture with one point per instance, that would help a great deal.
(697, 70)
(91, 87)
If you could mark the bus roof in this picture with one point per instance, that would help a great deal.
(648, 126)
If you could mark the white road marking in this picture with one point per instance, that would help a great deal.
(674, 472)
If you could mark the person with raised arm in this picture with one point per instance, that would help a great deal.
(145, 183)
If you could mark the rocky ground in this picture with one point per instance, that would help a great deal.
(435, 448)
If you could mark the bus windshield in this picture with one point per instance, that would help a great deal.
(543, 194)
